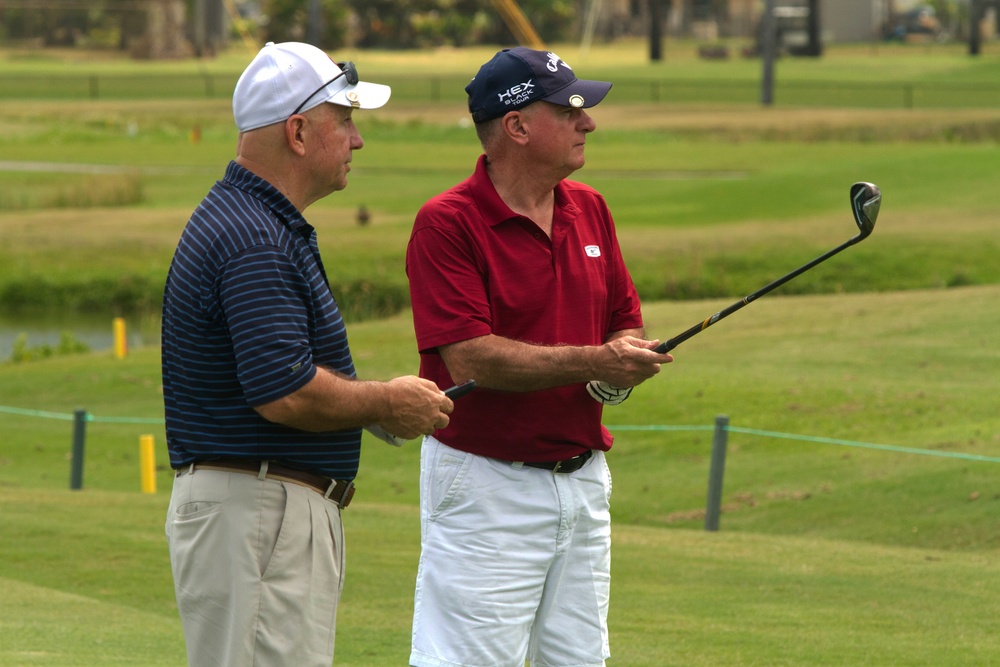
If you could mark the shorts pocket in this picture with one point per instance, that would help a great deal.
(448, 480)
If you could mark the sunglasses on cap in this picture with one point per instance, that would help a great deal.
(347, 70)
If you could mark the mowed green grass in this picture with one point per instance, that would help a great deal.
(828, 554)
(95, 594)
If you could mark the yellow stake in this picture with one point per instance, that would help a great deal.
(121, 342)
(147, 463)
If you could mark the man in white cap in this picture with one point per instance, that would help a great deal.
(517, 280)
(264, 411)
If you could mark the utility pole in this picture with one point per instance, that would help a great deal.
(313, 32)
(815, 38)
(655, 26)
(975, 21)
(767, 54)
(200, 29)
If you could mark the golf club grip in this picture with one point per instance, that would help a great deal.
(668, 345)
(460, 389)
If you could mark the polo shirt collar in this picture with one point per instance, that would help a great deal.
(493, 208)
(242, 178)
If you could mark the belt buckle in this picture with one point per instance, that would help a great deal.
(345, 498)
(557, 466)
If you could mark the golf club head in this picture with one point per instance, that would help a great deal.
(866, 199)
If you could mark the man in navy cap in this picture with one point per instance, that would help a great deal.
(517, 281)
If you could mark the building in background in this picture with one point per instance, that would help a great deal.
(839, 20)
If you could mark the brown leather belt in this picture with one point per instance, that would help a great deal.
(339, 491)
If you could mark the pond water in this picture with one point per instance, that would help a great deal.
(97, 332)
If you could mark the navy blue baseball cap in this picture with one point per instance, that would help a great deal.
(514, 78)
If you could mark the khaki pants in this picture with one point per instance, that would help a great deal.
(257, 568)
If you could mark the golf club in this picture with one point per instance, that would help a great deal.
(866, 199)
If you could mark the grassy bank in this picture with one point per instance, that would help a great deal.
(697, 217)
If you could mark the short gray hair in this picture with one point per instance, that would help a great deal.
(488, 130)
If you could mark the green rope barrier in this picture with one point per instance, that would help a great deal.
(613, 427)
(810, 438)
(659, 427)
(36, 413)
(70, 417)
(867, 445)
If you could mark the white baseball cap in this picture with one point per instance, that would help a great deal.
(292, 77)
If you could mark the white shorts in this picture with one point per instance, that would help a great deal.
(515, 563)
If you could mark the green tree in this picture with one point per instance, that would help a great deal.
(290, 20)
(402, 24)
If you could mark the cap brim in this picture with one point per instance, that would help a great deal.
(362, 95)
(580, 94)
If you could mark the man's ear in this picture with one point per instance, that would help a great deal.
(514, 126)
(295, 129)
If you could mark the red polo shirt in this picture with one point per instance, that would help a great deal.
(477, 268)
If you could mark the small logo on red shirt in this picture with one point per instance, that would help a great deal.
(592, 250)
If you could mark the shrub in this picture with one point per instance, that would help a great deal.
(68, 344)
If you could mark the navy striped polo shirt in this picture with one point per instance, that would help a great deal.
(247, 317)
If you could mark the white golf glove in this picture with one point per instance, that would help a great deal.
(602, 392)
(384, 435)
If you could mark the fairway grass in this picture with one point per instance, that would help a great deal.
(916, 369)
(96, 591)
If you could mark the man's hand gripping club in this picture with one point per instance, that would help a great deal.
(630, 361)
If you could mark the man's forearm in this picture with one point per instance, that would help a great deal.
(329, 402)
(510, 365)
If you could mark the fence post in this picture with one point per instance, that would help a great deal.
(79, 437)
(715, 473)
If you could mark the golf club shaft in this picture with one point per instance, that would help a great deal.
(668, 345)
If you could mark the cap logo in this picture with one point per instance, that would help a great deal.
(517, 94)
(554, 62)
(576, 101)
